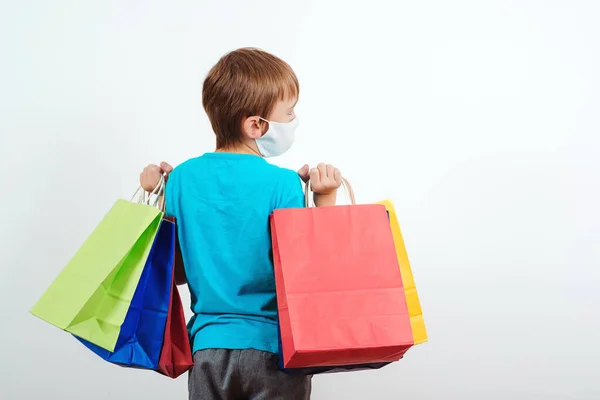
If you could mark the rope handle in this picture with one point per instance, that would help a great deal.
(145, 197)
(347, 186)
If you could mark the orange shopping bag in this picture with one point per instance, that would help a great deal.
(412, 298)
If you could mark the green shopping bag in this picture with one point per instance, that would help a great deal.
(91, 295)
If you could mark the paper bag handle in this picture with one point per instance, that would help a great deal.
(144, 197)
(345, 184)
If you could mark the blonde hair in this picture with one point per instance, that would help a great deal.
(245, 82)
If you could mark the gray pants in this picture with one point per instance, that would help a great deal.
(220, 374)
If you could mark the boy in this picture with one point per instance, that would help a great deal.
(222, 202)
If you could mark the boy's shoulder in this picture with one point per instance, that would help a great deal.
(284, 173)
(287, 179)
(190, 167)
(190, 163)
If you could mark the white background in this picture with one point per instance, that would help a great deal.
(480, 119)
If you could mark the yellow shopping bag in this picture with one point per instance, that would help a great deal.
(412, 298)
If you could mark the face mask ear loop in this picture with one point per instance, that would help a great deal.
(268, 124)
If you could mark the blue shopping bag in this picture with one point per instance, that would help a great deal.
(141, 337)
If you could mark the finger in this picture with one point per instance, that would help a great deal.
(315, 178)
(304, 173)
(337, 175)
(150, 171)
(322, 170)
(144, 179)
(330, 171)
(150, 176)
(304, 170)
(166, 167)
(154, 175)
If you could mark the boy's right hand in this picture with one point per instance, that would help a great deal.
(324, 179)
(150, 176)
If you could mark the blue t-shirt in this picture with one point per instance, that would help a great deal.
(222, 203)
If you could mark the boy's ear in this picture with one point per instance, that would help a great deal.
(253, 127)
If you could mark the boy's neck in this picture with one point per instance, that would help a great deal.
(242, 148)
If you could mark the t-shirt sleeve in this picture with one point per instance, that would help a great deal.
(292, 194)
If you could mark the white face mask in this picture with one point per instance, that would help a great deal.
(278, 139)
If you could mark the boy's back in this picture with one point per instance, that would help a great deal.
(222, 202)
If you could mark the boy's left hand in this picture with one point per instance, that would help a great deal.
(324, 179)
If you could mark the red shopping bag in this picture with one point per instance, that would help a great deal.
(339, 290)
(176, 353)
